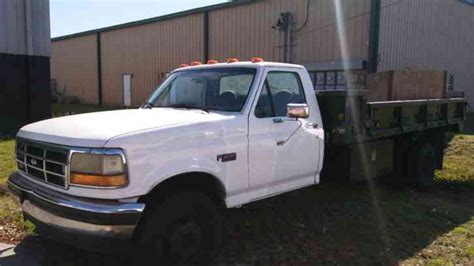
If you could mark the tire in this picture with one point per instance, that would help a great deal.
(182, 230)
(426, 162)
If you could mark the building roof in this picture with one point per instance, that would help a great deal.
(156, 19)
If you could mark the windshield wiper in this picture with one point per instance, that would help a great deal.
(185, 106)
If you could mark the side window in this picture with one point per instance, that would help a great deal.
(280, 89)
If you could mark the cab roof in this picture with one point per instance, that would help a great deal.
(239, 64)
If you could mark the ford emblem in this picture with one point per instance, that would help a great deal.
(33, 161)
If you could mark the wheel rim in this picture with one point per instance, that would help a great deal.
(185, 241)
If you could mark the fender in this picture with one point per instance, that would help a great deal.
(208, 170)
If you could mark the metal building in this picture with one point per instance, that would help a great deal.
(430, 34)
(124, 63)
(25, 48)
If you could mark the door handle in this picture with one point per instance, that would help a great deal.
(281, 142)
(313, 125)
(277, 120)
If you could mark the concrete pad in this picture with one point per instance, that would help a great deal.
(11, 255)
(7, 253)
(5, 247)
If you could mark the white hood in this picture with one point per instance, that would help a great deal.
(94, 129)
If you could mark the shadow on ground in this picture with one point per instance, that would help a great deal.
(326, 224)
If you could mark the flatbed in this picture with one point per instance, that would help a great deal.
(355, 127)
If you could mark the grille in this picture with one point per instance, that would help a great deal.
(43, 162)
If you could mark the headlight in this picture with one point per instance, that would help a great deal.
(98, 170)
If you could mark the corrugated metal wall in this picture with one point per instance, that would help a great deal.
(74, 67)
(319, 40)
(148, 52)
(433, 34)
(246, 31)
(24, 27)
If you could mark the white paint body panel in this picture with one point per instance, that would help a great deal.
(94, 129)
(160, 143)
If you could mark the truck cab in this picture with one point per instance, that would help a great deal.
(210, 136)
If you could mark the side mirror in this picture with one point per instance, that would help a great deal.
(297, 110)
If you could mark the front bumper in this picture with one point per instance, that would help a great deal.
(74, 215)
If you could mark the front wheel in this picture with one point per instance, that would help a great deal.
(183, 229)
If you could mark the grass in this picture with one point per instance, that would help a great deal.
(456, 183)
(355, 225)
(343, 224)
(7, 162)
(12, 226)
(337, 223)
(458, 162)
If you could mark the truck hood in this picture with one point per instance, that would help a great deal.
(94, 129)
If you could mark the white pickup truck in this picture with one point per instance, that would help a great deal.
(211, 136)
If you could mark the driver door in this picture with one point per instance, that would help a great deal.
(283, 152)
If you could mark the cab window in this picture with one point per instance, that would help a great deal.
(279, 89)
(218, 89)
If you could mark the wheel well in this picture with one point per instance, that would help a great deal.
(407, 145)
(198, 181)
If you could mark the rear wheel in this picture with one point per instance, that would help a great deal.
(426, 162)
(183, 229)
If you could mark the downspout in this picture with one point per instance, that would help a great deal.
(287, 50)
(205, 36)
(374, 36)
(297, 29)
(99, 68)
(284, 25)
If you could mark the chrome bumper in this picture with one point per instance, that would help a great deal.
(102, 218)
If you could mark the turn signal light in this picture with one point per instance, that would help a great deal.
(257, 60)
(212, 62)
(98, 180)
(183, 65)
(232, 60)
(196, 63)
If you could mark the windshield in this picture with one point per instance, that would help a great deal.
(219, 89)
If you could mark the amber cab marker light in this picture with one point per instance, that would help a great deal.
(232, 60)
(183, 65)
(212, 62)
(257, 60)
(196, 63)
